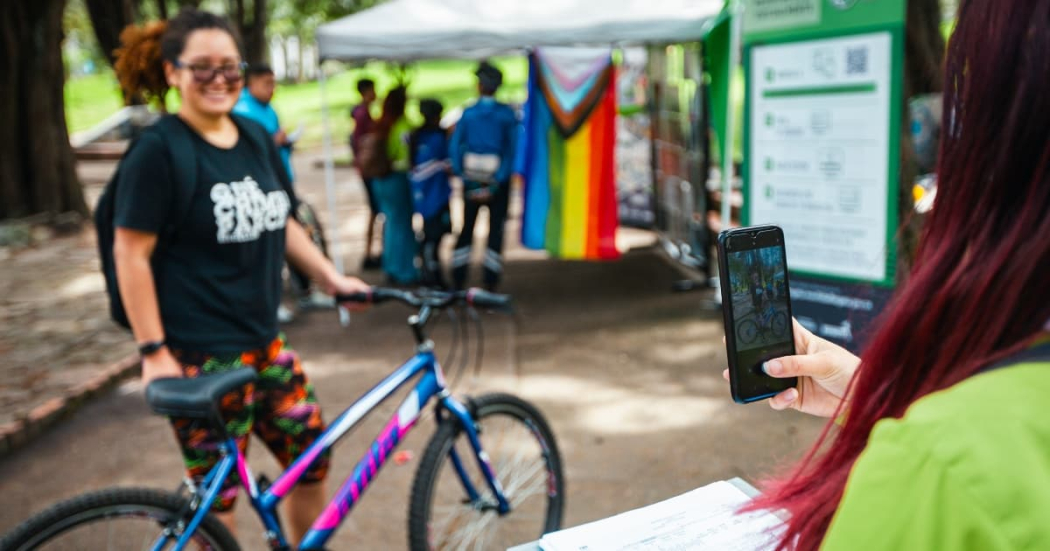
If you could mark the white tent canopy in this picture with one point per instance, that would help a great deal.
(407, 30)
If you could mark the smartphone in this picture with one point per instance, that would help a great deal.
(756, 305)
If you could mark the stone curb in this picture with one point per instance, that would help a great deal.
(18, 433)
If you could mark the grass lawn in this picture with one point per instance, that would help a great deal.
(91, 99)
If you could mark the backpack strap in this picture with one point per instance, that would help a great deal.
(1038, 353)
(183, 162)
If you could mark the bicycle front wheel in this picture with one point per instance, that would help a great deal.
(524, 457)
(115, 519)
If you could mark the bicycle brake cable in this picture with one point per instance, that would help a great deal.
(465, 355)
(453, 349)
(481, 341)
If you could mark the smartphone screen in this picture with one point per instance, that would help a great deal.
(757, 308)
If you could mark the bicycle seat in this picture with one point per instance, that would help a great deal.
(197, 397)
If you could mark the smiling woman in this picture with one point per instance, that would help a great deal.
(201, 220)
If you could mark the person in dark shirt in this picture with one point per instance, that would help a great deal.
(428, 151)
(206, 301)
(364, 124)
(482, 154)
(754, 286)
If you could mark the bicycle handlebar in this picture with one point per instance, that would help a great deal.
(435, 299)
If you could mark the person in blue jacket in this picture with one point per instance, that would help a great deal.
(428, 147)
(482, 154)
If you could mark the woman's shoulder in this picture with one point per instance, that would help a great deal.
(1000, 394)
(969, 464)
(1008, 400)
(989, 431)
(149, 149)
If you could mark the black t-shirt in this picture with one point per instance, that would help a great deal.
(218, 277)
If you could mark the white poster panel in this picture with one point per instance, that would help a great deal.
(819, 151)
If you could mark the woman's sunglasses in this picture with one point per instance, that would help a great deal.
(203, 74)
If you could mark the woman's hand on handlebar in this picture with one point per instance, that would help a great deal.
(346, 285)
(824, 371)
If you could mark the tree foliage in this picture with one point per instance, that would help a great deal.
(328, 10)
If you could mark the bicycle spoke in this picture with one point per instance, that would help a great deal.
(447, 520)
(471, 530)
(518, 482)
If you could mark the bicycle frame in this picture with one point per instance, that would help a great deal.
(431, 384)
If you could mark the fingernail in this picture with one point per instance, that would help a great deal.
(773, 367)
(791, 395)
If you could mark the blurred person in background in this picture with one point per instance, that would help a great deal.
(363, 125)
(482, 154)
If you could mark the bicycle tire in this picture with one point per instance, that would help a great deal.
(747, 336)
(156, 507)
(435, 463)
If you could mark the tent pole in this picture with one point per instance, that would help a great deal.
(329, 187)
(727, 147)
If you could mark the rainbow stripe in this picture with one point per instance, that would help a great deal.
(568, 164)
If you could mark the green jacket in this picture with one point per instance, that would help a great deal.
(965, 468)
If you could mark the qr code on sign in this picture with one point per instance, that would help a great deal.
(857, 60)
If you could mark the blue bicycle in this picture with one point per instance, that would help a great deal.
(490, 477)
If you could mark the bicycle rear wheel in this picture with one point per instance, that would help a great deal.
(114, 519)
(747, 331)
(524, 457)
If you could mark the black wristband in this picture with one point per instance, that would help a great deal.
(151, 347)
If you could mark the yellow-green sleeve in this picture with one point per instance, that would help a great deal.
(397, 145)
(900, 495)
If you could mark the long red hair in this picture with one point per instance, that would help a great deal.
(980, 288)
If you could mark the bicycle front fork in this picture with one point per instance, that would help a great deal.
(465, 418)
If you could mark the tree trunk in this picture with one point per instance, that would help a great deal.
(300, 73)
(37, 171)
(162, 9)
(108, 18)
(923, 74)
(253, 31)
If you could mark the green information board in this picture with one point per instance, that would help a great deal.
(822, 131)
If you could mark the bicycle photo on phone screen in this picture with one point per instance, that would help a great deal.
(759, 298)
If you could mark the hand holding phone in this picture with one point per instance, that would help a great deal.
(824, 370)
(756, 307)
